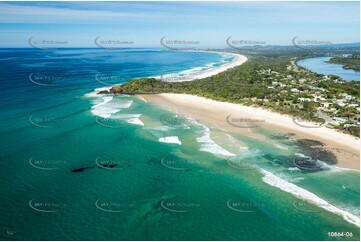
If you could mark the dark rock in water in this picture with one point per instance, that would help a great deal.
(315, 157)
(324, 155)
(116, 89)
(78, 170)
(282, 137)
(104, 92)
(310, 142)
(316, 151)
(82, 169)
(278, 159)
(108, 166)
(307, 164)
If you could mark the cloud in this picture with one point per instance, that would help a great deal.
(34, 14)
(274, 22)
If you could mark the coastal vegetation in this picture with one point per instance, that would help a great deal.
(270, 79)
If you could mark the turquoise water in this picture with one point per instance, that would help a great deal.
(320, 66)
(81, 166)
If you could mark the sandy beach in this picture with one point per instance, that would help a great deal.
(221, 114)
(237, 61)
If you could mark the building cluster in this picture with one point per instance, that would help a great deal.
(337, 109)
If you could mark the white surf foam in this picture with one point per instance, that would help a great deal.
(105, 109)
(105, 100)
(142, 98)
(281, 147)
(102, 110)
(299, 192)
(103, 105)
(171, 140)
(136, 121)
(130, 118)
(178, 76)
(294, 169)
(296, 179)
(208, 145)
(161, 128)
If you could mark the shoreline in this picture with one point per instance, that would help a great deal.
(210, 112)
(238, 60)
(349, 70)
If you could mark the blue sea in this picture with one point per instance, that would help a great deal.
(76, 165)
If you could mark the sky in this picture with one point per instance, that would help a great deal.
(209, 23)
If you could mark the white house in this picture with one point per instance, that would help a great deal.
(325, 105)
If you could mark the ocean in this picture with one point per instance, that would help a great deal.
(80, 166)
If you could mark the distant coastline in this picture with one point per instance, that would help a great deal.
(237, 61)
(344, 146)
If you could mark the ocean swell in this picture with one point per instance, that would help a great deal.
(299, 192)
